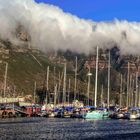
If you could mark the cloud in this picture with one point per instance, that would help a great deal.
(51, 28)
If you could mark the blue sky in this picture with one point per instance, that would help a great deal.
(100, 10)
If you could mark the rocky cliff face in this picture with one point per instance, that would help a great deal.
(22, 34)
(24, 68)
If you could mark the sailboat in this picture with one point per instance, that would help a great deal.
(134, 112)
(65, 110)
(99, 113)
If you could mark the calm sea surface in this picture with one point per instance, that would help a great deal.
(68, 129)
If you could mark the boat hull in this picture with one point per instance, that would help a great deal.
(132, 116)
(96, 115)
(117, 116)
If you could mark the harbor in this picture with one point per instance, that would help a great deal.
(63, 102)
(69, 70)
(68, 129)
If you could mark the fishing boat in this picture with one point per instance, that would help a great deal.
(64, 112)
(43, 113)
(79, 112)
(134, 113)
(76, 114)
(119, 113)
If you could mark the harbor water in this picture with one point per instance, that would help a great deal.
(68, 129)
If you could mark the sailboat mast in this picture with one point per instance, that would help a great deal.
(34, 91)
(5, 79)
(108, 90)
(55, 95)
(128, 73)
(75, 83)
(47, 84)
(69, 91)
(138, 83)
(120, 104)
(64, 85)
(102, 92)
(131, 91)
(14, 91)
(48, 69)
(59, 84)
(54, 77)
(96, 79)
(136, 95)
(88, 88)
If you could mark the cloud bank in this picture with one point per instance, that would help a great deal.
(51, 28)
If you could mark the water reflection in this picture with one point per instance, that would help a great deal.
(68, 129)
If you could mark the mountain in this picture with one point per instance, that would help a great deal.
(27, 65)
